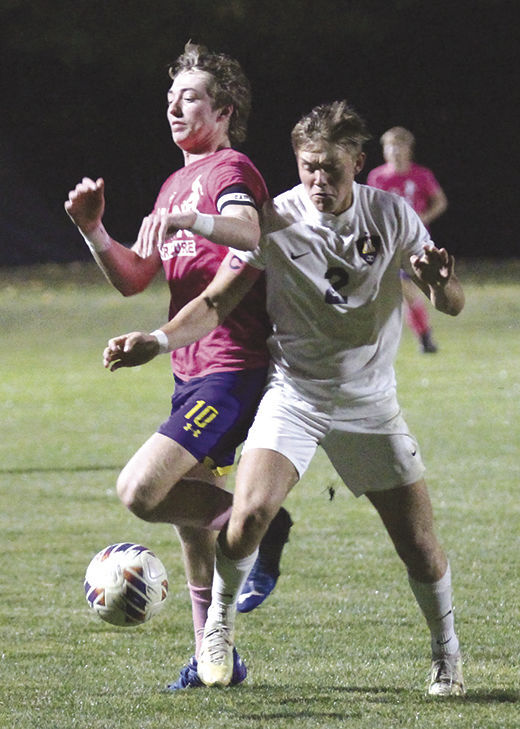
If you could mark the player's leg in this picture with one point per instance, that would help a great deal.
(279, 447)
(152, 486)
(407, 515)
(371, 459)
(262, 579)
(164, 481)
(416, 315)
(264, 479)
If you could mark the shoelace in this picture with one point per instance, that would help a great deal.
(446, 673)
(218, 642)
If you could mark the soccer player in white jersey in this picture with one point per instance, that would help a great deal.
(332, 251)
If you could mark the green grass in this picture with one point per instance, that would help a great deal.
(340, 642)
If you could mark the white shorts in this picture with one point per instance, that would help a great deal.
(370, 454)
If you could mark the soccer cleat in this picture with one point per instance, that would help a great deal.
(189, 678)
(266, 570)
(215, 665)
(428, 346)
(446, 677)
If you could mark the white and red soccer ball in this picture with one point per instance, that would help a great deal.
(126, 584)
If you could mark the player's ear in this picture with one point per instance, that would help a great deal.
(225, 112)
(360, 162)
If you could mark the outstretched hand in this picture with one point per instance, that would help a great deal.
(86, 204)
(130, 350)
(434, 267)
(159, 226)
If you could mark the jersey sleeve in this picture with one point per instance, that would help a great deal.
(254, 258)
(237, 181)
(373, 177)
(413, 234)
(238, 194)
(431, 185)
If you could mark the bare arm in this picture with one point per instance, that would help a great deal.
(237, 227)
(437, 205)
(435, 276)
(123, 267)
(196, 319)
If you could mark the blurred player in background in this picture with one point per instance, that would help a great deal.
(418, 186)
(178, 475)
(332, 251)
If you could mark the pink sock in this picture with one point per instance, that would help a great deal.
(219, 521)
(417, 317)
(200, 602)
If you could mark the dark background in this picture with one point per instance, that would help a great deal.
(84, 86)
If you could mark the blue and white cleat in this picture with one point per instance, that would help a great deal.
(189, 677)
(266, 570)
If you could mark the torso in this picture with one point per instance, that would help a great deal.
(334, 293)
(417, 185)
(190, 263)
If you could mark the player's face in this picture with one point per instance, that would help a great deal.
(397, 152)
(327, 172)
(196, 126)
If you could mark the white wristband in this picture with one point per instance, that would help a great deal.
(203, 224)
(98, 241)
(162, 338)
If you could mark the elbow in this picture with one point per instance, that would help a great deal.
(127, 290)
(455, 307)
(252, 241)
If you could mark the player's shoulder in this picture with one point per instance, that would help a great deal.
(377, 172)
(230, 165)
(231, 157)
(370, 195)
(420, 170)
(387, 207)
(284, 210)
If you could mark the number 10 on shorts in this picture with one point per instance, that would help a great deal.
(199, 416)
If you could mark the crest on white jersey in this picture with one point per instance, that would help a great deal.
(368, 247)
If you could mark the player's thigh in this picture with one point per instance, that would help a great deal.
(158, 464)
(368, 461)
(285, 425)
(264, 478)
(406, 511)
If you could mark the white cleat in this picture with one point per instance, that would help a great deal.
(215, 663)
(446, 677)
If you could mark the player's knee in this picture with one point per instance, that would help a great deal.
(134, 495)
(251, 524)
(420, 551)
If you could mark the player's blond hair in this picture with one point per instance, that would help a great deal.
(398, 134)
(228, 84)
(334, 123)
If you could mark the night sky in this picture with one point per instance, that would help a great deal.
(84, 88)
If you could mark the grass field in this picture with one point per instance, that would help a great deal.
(340, 643)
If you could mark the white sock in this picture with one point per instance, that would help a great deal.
(435, 601)
(228, 579)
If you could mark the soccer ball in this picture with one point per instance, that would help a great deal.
(126, 584)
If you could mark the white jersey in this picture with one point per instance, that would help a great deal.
(334, 295)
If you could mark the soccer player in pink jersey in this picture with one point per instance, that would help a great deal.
(178, 475)
(418, 186)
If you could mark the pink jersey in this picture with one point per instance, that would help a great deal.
(190, 263)
(417, 185)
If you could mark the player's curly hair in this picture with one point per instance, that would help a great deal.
(228, 84)
(334, 123)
